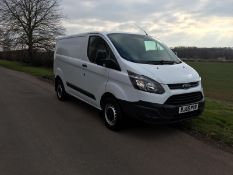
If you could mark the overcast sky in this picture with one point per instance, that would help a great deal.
(202, 23)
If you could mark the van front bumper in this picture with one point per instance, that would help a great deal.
(159, 113)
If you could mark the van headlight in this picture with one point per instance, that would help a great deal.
(146, 84)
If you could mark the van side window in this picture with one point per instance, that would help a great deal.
(99, 52)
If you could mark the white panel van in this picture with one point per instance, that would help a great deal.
(125, 74)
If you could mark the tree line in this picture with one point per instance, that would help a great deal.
(204, 53)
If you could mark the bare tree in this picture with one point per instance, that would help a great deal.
(33, 24)
(6, 41)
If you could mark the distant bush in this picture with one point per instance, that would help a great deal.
(43, 59)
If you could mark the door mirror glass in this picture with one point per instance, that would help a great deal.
(101, 55)
(109, 63)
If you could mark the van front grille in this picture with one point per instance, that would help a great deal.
(183, 85)
(182, 99)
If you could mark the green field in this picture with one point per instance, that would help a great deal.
(217, 79)
(217, 120)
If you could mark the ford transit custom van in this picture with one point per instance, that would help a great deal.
(124, 74)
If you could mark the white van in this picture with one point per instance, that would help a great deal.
(131, 74)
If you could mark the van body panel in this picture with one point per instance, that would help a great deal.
(120, 86)
(72, 47)
(69, 55)
(166, 74)
(95, 80)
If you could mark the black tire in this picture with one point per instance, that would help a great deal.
(60, 90)
(112, 114)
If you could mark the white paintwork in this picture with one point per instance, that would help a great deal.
(71, 53)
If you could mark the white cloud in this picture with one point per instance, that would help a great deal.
(207, 23)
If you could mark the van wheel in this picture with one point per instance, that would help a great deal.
(60, 91)
(112, 114)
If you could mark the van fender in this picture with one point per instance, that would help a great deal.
(122, 91)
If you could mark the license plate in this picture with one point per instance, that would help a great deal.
(188, 108)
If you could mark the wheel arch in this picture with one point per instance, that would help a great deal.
(105, 96)
(57, 79)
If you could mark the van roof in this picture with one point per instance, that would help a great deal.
(88, 33)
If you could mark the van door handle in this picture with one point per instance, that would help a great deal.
(84, 65)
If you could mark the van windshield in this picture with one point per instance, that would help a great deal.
(142, 49)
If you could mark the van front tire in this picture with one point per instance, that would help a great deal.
(60, 90)
(112, 114)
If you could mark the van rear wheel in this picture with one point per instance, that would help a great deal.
(60, 90)
(112, 114)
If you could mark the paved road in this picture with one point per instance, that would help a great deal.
(40, 135)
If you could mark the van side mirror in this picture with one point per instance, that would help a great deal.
(109, 63)
(101, 55)
(101, 59)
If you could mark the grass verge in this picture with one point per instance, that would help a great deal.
(215, 123)
(36, 71)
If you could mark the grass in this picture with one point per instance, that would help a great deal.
(35, 71)
(217, 79)
(217, 120)
(215, 123)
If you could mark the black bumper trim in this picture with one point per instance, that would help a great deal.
(158, 113)
(88, 94)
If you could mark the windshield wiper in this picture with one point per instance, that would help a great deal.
(161, 62)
